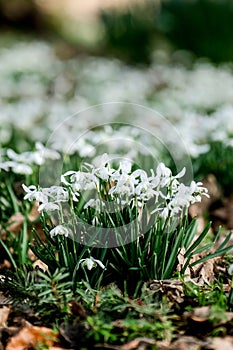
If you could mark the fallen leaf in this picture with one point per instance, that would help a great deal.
(5, 265)
(34, 213)
(40, 264)
(204, 272)
(187, 343)
(15, 223)
(222, 343)
(31, 337)
(138, 344)
(200, 314)
(5, 334)
(4, 313)
(172, 288)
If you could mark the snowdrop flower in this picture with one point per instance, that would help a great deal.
(181, 200)
(49, 197)
(33, 194)
(48, 207)
(18, 163)
(20, 168)
(21, 163)
(97, 204)
(104, 171)
(23, 158)
(165, 174)
(144, 189)
(16, 157)
(91, 262)
(125, 186)
(63, 177)
(56, 193)
(17, 168)
(4, 166)
(163, 171)
(42, 153)
(122, 172)
(83, 147)
(125, 167)
(60, 230)
(80, 181)
(197, 190)
(52, 197)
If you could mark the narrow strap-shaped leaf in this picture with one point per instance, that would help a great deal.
(9, 254)
(226, 240)
(198, 240)
(174, 253)
(190, 233)
(202, 249)
(214, 255)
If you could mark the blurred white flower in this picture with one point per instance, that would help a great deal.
(42, 153)
(230, 269)
(60, 230)
(16, 167)
(48, 207)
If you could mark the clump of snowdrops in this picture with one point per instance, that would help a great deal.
(117, 223)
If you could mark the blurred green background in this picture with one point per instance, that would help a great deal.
(130, 30)
(190, 32)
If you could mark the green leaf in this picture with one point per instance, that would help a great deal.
(197, 241)
(214, 255)
(226, 240)
(173, 256)
(190, 233)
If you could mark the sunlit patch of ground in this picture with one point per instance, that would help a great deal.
(84, 9)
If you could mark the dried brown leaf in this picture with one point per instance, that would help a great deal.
(187, 343)
(15, 223)
(173, 289)
(31, 337)
(4, 314)
(40, 264)
(204, 272)
(138, 344)
(34, 213)
(225, 343)
(200, 314)
(5, 265)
